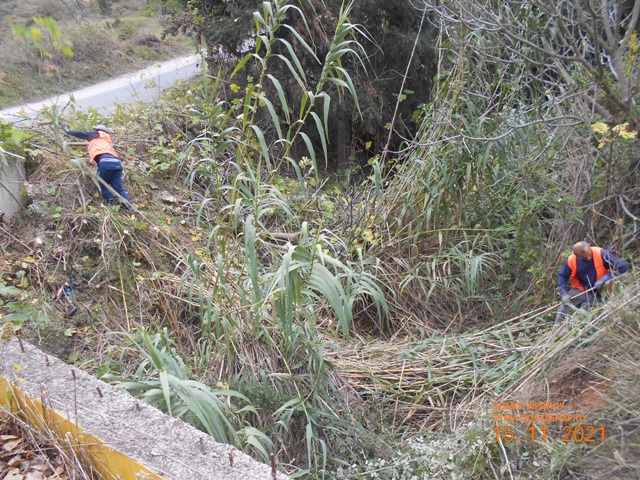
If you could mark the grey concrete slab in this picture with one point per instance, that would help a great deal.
(12, 178)
(166, 445)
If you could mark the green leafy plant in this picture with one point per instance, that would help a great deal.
(162, 380)
(20, 307)
(47, 34)
(12, 143)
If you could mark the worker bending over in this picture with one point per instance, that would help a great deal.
(583, 276)
(103, 154)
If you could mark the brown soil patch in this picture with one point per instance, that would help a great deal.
(580, 380)
(590, 399)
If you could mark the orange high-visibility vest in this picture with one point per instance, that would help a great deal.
(102, 144)
(601, 270)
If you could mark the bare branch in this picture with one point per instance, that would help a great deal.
(626, 210)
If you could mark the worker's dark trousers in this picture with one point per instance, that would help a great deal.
(579, 299)
(110, 170)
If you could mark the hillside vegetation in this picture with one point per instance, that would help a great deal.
(382, 318)
(106, 39)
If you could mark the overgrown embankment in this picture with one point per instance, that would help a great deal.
(170, 292)
(357, 314)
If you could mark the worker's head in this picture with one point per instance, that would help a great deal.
(583, 250)
(101, 128)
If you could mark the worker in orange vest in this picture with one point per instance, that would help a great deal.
(583, 276)
(103, 154)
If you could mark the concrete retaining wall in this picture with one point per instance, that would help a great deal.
(123, 437)
(12, 181)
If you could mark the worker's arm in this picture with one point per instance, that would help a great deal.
(564, 279)
(616, 265)
(90, 135)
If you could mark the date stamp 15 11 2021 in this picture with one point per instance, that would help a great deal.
(538, 415)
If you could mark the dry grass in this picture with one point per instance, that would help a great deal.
(598, 379)
(424, 381)
(594, 371)
(31, 454)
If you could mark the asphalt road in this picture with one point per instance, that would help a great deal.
(143, 85)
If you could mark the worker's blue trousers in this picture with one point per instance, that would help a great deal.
(110, 170)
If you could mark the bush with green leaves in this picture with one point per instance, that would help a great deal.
(18, 307)
(39, 42)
